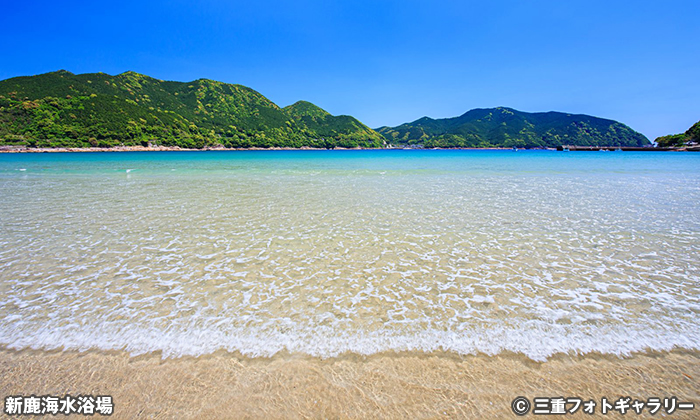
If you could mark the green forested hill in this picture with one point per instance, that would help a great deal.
(324, 124)
(692, 136)
(64, 109)
(505, 127)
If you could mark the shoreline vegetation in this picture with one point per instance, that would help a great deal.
(405, 385)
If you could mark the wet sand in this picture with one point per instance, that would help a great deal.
(410, 385)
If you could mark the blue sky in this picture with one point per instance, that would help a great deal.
(388, 62)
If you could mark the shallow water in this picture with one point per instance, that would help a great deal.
(324, 253)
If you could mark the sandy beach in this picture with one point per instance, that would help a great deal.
(409, 385)
(350, 210)
(250, 285)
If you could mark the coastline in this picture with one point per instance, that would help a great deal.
(22, 149)
(132, 149)
(389, 385)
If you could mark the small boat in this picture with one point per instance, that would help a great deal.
(565, 148)
(515, 149)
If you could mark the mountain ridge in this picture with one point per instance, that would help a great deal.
(63, 109)
(507, 127)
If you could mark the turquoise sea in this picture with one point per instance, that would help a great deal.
(324, 253)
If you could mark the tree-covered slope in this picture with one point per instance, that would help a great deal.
(65, 109)
(326, 125)
(505, 127)
(690, 137)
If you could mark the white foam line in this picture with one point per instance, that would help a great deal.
(535, 342)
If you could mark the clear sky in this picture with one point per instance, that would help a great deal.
(388, 62)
